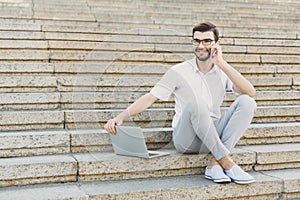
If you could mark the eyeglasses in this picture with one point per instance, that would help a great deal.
(205, 42)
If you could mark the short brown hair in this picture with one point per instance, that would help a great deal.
(207, 26)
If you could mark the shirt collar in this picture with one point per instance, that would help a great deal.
(195, 67)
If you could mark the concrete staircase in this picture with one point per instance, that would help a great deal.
(69, 66)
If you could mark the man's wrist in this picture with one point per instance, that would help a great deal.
(122, 116)
(223, 65)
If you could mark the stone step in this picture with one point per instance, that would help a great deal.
(97, 139)
(280, 59)
(297, 83)
(119, 56)
(31, 120)
(249, 23)
(163, 116)
(39, 142)
(231, 32)
(20, 27)
(29, 101)
(94, 166)
(29, 83)
(242, 11)
(271, 133)
(266, 42)
(117, 69)
(151, 10)
(38, 169)
(149, 47)
(24, 14)
(108, 166)
(137, 57)
(64, 16)
(46, 7)
(63, 22)
(186, 28)
(115, 99)
(282, 13)
(273, 184)
(127, 37)
(190, 22)
(270, 98)
(164, 57)
(290, 179)
(93, 118)
(115, 27)
(143, 30)
(31, 143)
(272, 70)
(22, 35)
(276, 156)
(164, 11)
(127, 83)
(165, 36)
(259, 34)
(247, 16)
(24, 55)
(26, 68)
(23, 44)
(230, 5)
(158, 69)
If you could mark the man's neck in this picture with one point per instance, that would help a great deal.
(204, 66)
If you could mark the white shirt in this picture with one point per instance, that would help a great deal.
(187, 83)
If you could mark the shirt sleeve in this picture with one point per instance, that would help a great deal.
(165, 86)
(229, 84)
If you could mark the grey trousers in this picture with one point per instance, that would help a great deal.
(197, 132)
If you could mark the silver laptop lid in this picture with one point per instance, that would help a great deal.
(129, 141)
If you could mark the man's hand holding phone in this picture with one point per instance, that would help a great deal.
(216, 53)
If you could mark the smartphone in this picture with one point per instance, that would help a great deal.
(212, 52)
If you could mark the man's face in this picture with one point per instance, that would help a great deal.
(202, 50)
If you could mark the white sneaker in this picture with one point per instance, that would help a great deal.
(239, 176)
(216, 174)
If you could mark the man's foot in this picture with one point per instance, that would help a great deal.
(226, 163)
(216, 174)
(239, 176)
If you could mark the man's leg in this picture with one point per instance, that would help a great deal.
(204, 133)
(235, 121)
(196, 132)
(231, 127)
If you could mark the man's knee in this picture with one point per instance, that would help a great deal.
(247, 103)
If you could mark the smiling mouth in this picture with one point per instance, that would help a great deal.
(202, 51)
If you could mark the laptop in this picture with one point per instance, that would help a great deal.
(130, 141)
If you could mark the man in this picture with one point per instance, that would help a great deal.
(199, 86)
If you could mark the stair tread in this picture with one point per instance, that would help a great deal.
(267, 182)
(98, 157)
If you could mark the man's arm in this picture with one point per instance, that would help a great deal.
(137, 107)
(240, 83)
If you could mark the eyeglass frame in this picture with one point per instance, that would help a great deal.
(198, 42)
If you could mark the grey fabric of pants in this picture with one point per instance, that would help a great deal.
(197, 132)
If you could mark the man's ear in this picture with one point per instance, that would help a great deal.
(218, 42)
